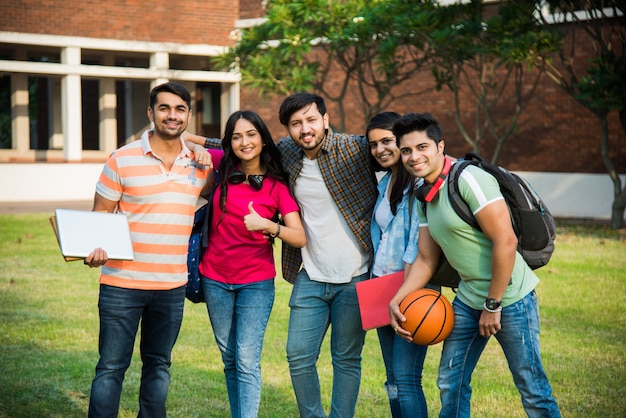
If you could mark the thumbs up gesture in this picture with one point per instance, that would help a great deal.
(254, 221)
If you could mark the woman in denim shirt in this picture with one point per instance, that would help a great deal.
(394, 235)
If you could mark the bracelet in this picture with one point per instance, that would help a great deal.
(206, 143)
(277, 231)
(498, 309)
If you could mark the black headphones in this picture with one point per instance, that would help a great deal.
(427, 192)
(255, 180)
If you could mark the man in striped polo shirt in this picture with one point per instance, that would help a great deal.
(155, 182)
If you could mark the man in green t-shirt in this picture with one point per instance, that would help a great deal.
(496, 295)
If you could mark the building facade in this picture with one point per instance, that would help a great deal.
(75, 78)
(78, 77)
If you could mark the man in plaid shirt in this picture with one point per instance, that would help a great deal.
(332, 180)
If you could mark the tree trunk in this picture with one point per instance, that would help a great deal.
(619, 195)
(617, 210)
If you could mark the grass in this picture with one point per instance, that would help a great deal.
(49, 334)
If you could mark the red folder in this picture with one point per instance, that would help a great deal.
(374, 296)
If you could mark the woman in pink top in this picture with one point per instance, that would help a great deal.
(237, 267)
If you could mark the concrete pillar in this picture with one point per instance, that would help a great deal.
(159, 61)
(107, 105)
(20, 120)
(71, 107)
(229, 101)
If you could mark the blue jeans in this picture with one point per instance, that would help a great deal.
(239, 315)
(519, 339)
(315, 306)
(404, 362)
(161, 314)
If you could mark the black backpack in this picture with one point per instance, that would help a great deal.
(532, 221)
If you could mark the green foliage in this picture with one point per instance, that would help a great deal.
(275, 56)
(517, 38)
(371, 43)
(49, 337)
(604, 87)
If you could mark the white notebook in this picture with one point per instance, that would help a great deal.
(81, 231)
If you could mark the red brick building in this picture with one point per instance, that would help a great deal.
(59, 56)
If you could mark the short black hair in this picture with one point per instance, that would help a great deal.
(170, 87)
(420, 122)
(296, 102)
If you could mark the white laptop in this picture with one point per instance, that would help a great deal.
(81, 231)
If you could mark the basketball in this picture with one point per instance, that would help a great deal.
(429, 316)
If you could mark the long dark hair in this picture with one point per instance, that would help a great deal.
(386, 120)
(270, 157)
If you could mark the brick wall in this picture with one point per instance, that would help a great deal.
(188, 22)
(250, 9)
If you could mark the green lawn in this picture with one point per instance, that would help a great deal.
(49, 333)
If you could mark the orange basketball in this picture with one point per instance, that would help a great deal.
(429, 316)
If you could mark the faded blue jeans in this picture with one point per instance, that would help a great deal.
(519, 339)
(314, 307)
(239, 316)
(161, 314)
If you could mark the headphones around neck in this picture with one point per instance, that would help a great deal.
(255, 180)
(427, 192)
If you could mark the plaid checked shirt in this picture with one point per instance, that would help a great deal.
(344, 161)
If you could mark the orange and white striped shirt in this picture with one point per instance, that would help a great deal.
(160, 207)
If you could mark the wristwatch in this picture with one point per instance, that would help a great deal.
(492, 305)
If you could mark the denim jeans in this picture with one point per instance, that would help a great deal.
(404, 362)
(161, 314)
(239, 315)
(519, 339)
(314, 307)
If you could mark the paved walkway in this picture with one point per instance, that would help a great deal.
(43, 207)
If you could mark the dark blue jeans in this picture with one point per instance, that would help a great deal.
(121, 310)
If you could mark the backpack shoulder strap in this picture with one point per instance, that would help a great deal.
(459, 204)
(209, 210)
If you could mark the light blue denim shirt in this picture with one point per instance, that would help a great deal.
(401, 232)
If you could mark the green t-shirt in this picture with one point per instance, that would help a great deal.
(467, 249)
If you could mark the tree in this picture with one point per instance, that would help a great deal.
(598, 84)
(302, 41)
(486, 58)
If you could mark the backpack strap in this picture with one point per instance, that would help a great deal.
(209, 210)
(459, 204)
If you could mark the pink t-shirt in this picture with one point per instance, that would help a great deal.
(216, 156)
(234, 254)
